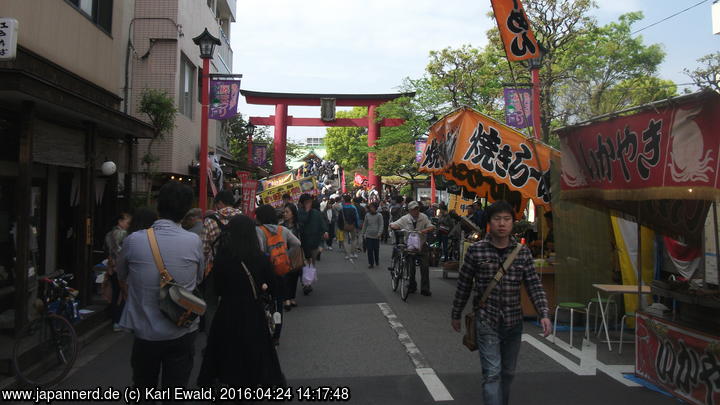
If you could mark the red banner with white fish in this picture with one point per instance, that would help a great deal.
(669, 152)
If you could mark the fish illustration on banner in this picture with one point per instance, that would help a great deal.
(223, 99)
(518, 38)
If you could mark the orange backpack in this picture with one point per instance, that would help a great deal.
(277, 248)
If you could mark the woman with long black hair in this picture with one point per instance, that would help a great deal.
(240, 351)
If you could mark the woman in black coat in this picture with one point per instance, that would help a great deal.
(240, 351)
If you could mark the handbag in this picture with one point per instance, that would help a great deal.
(180, 305)
(272, 317)
(297, 257)
(470, 337)
(309, 275)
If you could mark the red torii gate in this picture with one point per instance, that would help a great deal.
(281, 120)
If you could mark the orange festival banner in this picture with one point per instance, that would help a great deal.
(489, 158)
(514, 26)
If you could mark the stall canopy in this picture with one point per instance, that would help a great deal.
(485, 157)
(658, 165)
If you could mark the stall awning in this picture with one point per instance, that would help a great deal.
(488, 158)
(659, 164)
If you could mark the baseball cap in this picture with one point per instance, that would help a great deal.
(413, 205)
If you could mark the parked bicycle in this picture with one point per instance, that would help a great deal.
(404, 262)
(46, 348)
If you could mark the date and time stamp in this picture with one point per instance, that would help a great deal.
(132, 395)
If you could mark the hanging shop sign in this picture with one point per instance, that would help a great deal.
(223, 99)
(8, 38)
(419, 149)
(518, 108)
(518, 38)
(259, 154)
(659, 165)
(488, 158)
(295, 188)
(667, 152)
(248, 190)
(683, 362)
(277, 180)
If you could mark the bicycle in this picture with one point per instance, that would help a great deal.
(404, 262)
(46, 348)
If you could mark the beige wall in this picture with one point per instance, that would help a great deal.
(57, 31)
(161, 70)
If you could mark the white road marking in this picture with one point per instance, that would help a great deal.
(428, 376)
(589, 364)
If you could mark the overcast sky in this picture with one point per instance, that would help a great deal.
(369, 46)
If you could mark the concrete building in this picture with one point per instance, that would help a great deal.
(163, 56)
(61, 117)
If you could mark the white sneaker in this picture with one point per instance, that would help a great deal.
(329, 248)
(347, 257)
(354, 256)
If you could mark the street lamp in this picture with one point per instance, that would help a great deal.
(250, 130)
(534, 65)
(206, 42)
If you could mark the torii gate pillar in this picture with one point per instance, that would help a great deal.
(373, 134)
(280, 139)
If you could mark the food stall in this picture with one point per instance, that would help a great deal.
(478, 156)
(657, 165)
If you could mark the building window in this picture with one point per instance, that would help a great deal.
(187, 86)
(315, 141)
(98, 11)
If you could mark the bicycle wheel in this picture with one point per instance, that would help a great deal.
(395, 274)
(405, 279)
(45, 351)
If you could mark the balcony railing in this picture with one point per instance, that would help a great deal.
(225, 52)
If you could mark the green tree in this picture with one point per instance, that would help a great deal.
(397, 160)
(707, 76)
(466, 76)
(348, 145)
(160, 110)
(607, 60)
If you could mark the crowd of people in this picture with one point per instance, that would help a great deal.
(248, 286)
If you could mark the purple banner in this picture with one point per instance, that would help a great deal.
(419, 150)
(223, 99)
(259, 154)
(518, 108)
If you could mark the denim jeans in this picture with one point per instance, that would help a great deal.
(498, 348)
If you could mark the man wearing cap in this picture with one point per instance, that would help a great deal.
(417, 221)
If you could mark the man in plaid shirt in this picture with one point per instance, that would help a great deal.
(499, 321)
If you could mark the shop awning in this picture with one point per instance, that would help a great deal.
(658, 165)
(488, 158)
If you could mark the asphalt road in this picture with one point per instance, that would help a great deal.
(354, 332)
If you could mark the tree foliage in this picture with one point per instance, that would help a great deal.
(707, 76)
(396, 160)
(615, 63)
(160, 109)
(348, 145)
(238, 142)
(587, 69)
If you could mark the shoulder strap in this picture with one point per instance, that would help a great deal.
(500, 274)
(165, 276)
(252, 280)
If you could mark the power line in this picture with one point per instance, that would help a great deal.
(669, 17)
